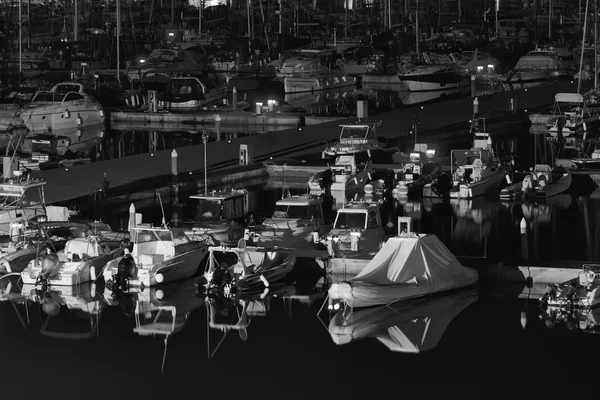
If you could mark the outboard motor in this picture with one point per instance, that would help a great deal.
(442, 184)
(126, 271)
(50, 267)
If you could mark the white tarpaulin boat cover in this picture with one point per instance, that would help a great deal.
(409, 327)
(406, 267)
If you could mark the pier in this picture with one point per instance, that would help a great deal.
(76, 183)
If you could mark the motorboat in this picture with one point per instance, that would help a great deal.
(575, 158)
(357, 229)
(424, 72)
(358, 137)
(22, 199)
(65, 106)
(35, 240)
(297, 224)
(349, 173)
(543, 184)
(159, 255)
(246, 269)
(408, 266)
(188, 93)
(475, 172)
(415, 174)
(305, 72)
(411, 326)
(79, 261)
(478, 63)
(570, 116)
(11, 101)
(537, 66)
(219, 213)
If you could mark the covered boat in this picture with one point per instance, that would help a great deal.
(570, 116)
(409, 326)
(407, 266)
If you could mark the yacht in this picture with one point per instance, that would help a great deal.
(570, 116)
(426, 72)
(66, 106)
(356, 137)
(21, 200)
(350, 172)
(535, 67)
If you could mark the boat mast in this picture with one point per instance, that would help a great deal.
(550, 19)
(595, 43)
(417, 25)
(118, 41)
(587, 4)
(20, 37)
(75, 21)
(200, 18)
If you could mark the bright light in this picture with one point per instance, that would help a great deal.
(142, 61)
(430, 152)
(490, 66)
(271, 102)
(415, 155)
(479, 68)
(171, 34)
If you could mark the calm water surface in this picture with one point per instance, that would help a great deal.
(289, 351)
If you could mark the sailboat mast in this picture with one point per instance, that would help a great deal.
(595, 43)
(587, 5)
(549, 19)
(200, 18)
(119, 41)
(20, 37)
(75, 21)
(417, 25)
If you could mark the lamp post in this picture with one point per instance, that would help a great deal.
(205, 140)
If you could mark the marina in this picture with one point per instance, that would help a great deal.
(322, 187)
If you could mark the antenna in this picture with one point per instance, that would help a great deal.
(164, 222)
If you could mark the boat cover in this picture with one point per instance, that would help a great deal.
(406, 267)
(410, 326)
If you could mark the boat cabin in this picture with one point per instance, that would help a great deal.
(539, 59)
(358, 133)
(181, 89)
(24, 198)
(67, 87)
(303, 207)
(152, 245)
(62, 92)
(360, 219)
(220, 206)
(471, 164)
(346, 165)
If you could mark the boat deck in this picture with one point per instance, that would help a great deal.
(70, 184)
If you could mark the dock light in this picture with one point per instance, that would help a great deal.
(171, 34)
(159, 278)
(490, 66)
(479, 68)
(430, 153)
(96, 76)
(142, 61)
(415, 156)
(299, 128)
(151, 154)
(422, 107)
(229, 141)
(66, 169)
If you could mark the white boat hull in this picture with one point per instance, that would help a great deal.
(57, 116)
(479, 189)
(296, 84)
(71, 273)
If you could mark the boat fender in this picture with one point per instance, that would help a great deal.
(92, 273)
(316, 237)
(67, 114)
(159, 278)
(264, 280)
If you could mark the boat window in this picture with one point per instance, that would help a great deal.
(350, 221)
(47, 96)
(72, 97)
(179, 237)
(64, 89)
(145, 236)
(10, 200)
(233, 208)
(288, 211)
(315, 211)
(208, 209)
(354, 133)
(373, 222)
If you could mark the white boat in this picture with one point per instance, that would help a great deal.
(304, 72)
(535, 67)
(570, 116)
(159, 255)
(188, 93)
(545, 182)
(66, 106)
(218, 213)
(357, 228)
(415, 174)
(78, 263)
(245, 270)
(350, 173)
(475, 172)
(21, 200)
(297, 224)
(407, 266)
(354, 138)
(423, 72)
(412, 326)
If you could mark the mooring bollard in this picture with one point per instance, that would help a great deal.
(234, 99)
(473, 86)
(175, 187)
(218, 126)
(524, 243)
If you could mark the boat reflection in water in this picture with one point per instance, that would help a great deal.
(410, 326)
(408, 98)
(72, 312)
(81, 140)
(338, 99)
(473, 225)
(542, 212)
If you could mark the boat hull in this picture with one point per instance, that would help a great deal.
(297, 84)
(430, 81)
(556, 188)
(50, 117)
(482, 188)
(8, 217)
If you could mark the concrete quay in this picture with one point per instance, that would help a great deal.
(77, 183)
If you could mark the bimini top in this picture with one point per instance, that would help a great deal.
(359, 131)
(300, 200)
(220, 195)
(358, 207)
(568, 98)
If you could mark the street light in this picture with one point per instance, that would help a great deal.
(205, 140)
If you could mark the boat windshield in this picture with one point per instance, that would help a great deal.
(9, 200)
(289, 211)
(148, 235)
(350, 221)
(208, 210)
(48, 96)
(354, 132)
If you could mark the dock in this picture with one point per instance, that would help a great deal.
(77, 183)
